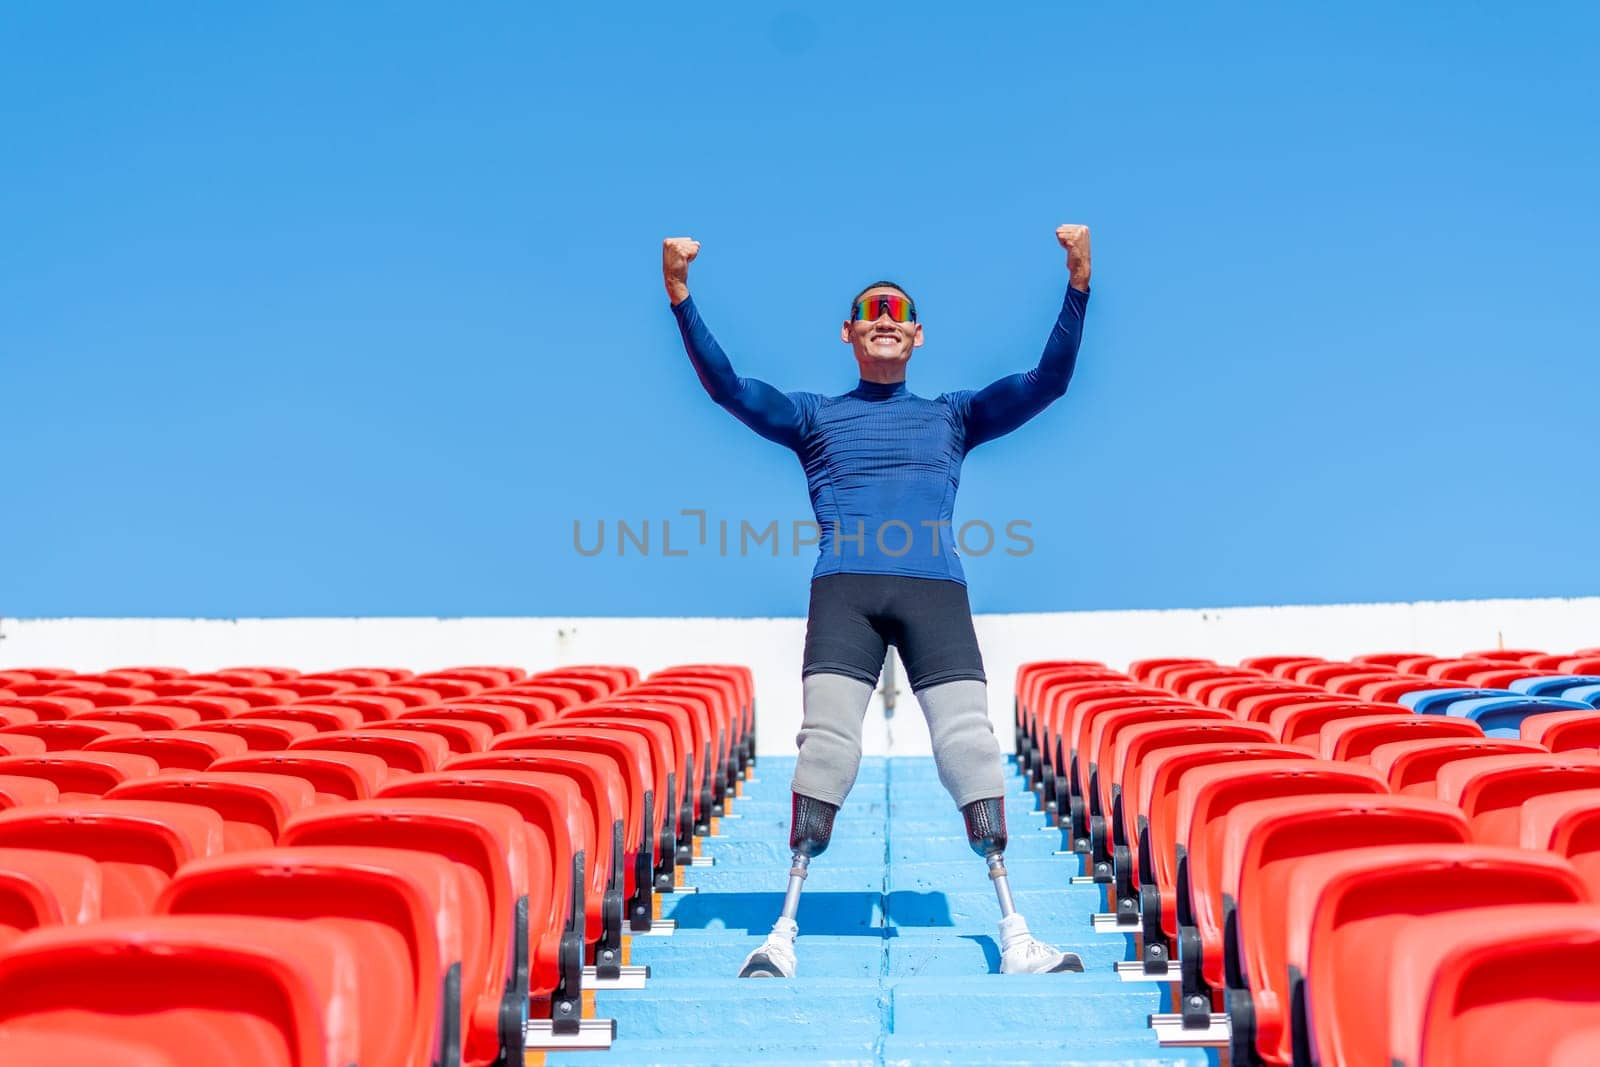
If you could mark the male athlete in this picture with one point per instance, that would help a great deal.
(882, 466)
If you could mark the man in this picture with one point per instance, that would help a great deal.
(882, 465)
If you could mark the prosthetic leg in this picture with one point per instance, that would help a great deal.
(810, 830)
(1020, 951)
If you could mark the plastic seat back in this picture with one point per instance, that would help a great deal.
(1566, 824)
(199, 990)
(254, 808)
(17, 791)
(403, 752)
(1493, 985)
(175, 750)
(1491, 789)
(1563, 731)
(1412, 767)
(489, 844)
(406, 910)
(139, 845)
(43, 888)
(1262, 843)
(1344, 911)
(1355, 738)
(334, 775)
(260, 735)
(70, 735)
(80, 775)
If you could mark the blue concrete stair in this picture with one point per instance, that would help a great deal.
(897, 951)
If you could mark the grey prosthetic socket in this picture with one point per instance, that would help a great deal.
(986, 833)
(810, 830)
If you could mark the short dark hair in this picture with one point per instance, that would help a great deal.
(881, 285)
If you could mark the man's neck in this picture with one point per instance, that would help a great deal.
(894, 374)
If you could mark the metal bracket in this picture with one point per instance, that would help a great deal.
(1171, 1033)
(658, 928)
(1106, 922)
(630, 978)
(593, 1034)
(704, 861)
(1134, 971)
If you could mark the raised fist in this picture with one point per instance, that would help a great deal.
(676, 255)
(1075, 239)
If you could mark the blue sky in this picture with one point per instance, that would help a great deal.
(333, 310)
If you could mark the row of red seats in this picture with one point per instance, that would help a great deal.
(259, 866)
(1207, 797)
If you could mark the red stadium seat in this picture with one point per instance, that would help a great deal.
(69, 735)
(257, 696)
(213, 704)
(149, 716)
(175, 750)
(58, 1048)
(500, 714)
(1262, 843)
(1142, 669)
(1206, 795)
(630, 754)
(1507, 655)
(1302, 724)
(560, 840)
(460, 734)
(138, 844)
(406, 910)
(43, 888)
(1490, 790)
(17, 792)
(1386, 691)
(1345, 909)
(365, 677)
(1349, 683)
(1562, 731)
(486, 677)
(398, 696)
(442, 688)
(20, 745)
(1270, 664)
(80, 775)
(605, 801)
(1136, 749)
(260, 735)
(178, 687)
(1157, 817)
(1567, 824)
(311, 688)
(1450, 1000)
(405, 753)
(198, 990)
(489, 844)
(254, 808)
(373, 705)
(14, 716)
(1412, 767)
(334, 775)
(321, 718)
(102, 696)
(1259, 708)
(1355, 738)
(1097, 754)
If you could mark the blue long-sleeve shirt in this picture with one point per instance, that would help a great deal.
(883, 464)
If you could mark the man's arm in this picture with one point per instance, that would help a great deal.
(769, 412)
(1002, 406)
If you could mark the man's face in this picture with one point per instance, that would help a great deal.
(882, 341)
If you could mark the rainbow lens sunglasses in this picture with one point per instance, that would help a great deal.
(900, 308)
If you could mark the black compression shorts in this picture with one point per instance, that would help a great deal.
(855, 617)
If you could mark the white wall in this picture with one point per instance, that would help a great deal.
(771, 647)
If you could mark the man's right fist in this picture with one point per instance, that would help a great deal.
(677, 253)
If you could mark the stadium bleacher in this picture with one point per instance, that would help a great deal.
(1388, 860)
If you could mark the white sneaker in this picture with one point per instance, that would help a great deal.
(1022, 953)
(775, 957)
